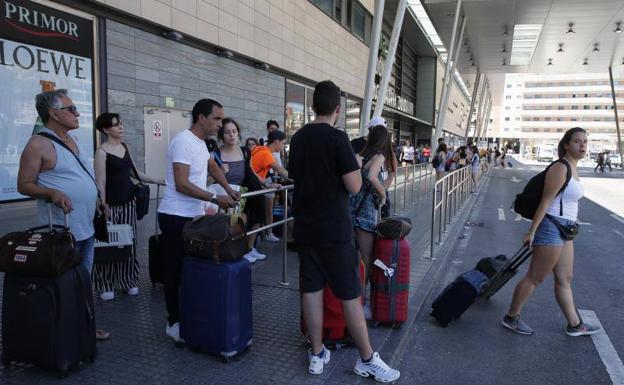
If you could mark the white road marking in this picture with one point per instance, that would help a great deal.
(515, 180)
(605, 349)
(617, 218)
(501, 214)
(583, 223)
(618, 233)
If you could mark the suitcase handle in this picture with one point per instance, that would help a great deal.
(519, 257)
(50, 225)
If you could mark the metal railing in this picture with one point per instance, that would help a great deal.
(283, 222)
(417, 178)
(449, 195)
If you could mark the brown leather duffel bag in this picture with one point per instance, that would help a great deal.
(222, 237)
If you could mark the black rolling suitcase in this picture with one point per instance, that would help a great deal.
(507, 271)
(48, 322)
(155, 251)
(457, 297)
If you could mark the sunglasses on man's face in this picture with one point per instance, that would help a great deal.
(71, 108)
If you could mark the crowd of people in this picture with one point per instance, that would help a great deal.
(340, 194)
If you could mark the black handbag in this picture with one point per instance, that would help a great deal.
(568, 233)
(99, 217)
(141, 193)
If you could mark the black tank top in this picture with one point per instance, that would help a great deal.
(118, 183)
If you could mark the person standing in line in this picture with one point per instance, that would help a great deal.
(49, 172)
(262, 162)
(408, 157)
(113, 169)
(441, 159)
(475, 167)
(237, 161)
(324, 233)
(187, 173)
(426, 154)
(551, 252)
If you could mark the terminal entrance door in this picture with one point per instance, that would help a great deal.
(160, 126)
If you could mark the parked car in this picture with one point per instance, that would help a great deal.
(616, 160)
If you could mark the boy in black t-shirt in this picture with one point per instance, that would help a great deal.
(325, 170)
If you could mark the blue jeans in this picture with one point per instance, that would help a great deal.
(86, 250)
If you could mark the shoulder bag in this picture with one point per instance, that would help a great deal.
(140, 191)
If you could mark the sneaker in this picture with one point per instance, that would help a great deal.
(133, 291)
(257, 255)
(517, 325)
(271, 238)
(582, 329)
(250, 257)
(173, 332)
(317, 363)
(107, 296)
(376, 368)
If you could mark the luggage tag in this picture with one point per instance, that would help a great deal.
(388, 271)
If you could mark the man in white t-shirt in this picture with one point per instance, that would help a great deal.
(188, 160)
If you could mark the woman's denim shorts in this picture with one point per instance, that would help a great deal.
(547, 234)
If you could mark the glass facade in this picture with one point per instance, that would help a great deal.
(350, 14)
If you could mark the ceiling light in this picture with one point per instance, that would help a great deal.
(560, 49)
(571, 28)
(585, 62)
(173, 35)
(467, 49)
(525, 38)
(504, 49)
(504, 62)
(550, 61)
(596, 49)
(505, 31)
(262, 66)
(618, 28)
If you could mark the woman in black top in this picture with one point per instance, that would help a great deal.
(113, 170)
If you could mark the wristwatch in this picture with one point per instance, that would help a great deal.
(214, 199)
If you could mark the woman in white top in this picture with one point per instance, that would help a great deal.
(474, 168)
(551, 252)
(408, 157)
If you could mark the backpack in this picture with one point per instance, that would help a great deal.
(527, 201)
(437, 160)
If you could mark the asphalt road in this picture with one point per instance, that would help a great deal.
(476, 349)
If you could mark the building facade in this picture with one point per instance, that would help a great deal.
(538, 109)
(151, 60)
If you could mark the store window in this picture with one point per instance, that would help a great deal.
(295, 108)
(352, 123)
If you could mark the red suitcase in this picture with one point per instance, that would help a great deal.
(335, 333)
(390, 292)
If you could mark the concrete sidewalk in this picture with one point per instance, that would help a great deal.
(139, 352)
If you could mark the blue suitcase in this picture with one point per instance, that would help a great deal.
(457, 297)
(215, 306)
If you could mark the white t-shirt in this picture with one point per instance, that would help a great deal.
(408, 153)
(185, 148)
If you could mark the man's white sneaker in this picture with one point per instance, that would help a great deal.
(173, 332)
(376, 368)
(250, 257)
(107, 295)
(257, 255)
(271, 238)
(133, 291)
(317, 363)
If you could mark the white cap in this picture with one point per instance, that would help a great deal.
(376, 121)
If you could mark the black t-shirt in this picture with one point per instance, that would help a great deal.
(319, 156)
(358, 144)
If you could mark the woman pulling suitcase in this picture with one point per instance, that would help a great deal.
(551, 233)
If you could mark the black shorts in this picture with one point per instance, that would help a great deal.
(337, 265)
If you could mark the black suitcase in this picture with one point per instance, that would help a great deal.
(491, 265)
(457, 297)
(48, 322)
(156, 258)
(507, 271)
